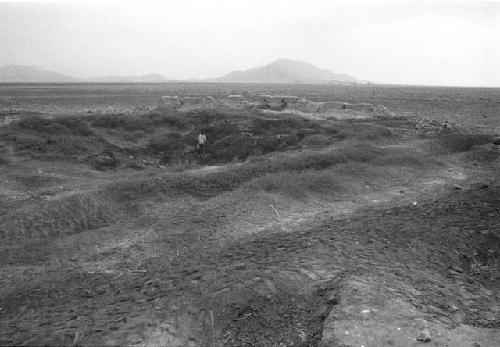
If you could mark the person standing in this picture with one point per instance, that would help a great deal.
(202, 140)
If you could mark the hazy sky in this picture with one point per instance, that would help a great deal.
(419, 42)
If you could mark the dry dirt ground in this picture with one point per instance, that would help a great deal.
(392, 250)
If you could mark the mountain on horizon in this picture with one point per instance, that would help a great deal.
(34, 74)
(31, 74)
(279, 71)
(286, 71)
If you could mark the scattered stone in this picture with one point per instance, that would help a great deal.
(487, 291)
(455, 269)
(302, 336)
(459, 317)
(424, 335)
(490, 316)
(240, 266)
(457, 187)
(270, 285)
(497, 142)
(136, 166)
(104, 161)
(323, 311)
(332, 297)
(434, 125)
(193, 310)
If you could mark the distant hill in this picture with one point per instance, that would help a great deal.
(286, 71)
(149, 78)
(31, 74)
(280, 71)
(34, 74)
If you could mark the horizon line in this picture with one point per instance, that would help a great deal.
(343, 84)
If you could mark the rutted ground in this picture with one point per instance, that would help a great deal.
(279, 287)
(404, 237)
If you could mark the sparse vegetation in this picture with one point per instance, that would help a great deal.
(110, 121)
(130, 123)
(315, 212)
(4, 154)
(375, 133)
(39, 221)
(230, 135)
(216, 183)
(298, 184)
(52, 126)
(164, 143)
(405, 158)
(459, 142)
(316, 140)
(58, 137)
(30, 181)
(104, 161)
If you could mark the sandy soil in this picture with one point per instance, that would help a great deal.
(372, 269)
(398, 252)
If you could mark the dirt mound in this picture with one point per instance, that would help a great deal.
(69, 214)
(457, 143)
(130, 123)
(169, 139)
(60, 137)
(484, 156)
(215, 183)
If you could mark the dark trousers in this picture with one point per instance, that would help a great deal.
(200, 148)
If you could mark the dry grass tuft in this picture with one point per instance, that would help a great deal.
(30, 181)
(405, 158)
(54, 138)
(298, 184)
(132, 123)
(215, 183)
(374, 132)
(4, 155)
(316, 140)
(68, 215)
(459, 142)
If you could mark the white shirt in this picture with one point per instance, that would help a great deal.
(202, 139)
